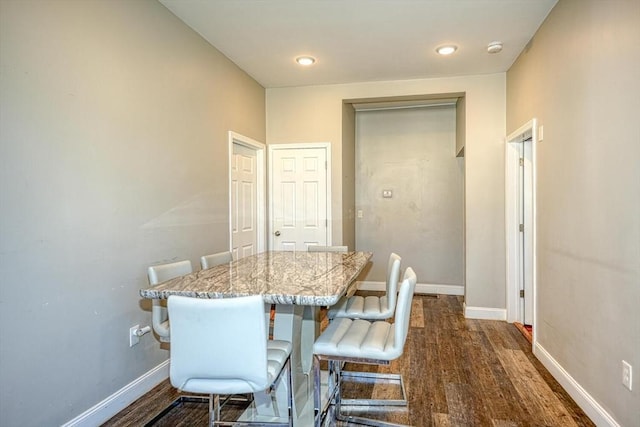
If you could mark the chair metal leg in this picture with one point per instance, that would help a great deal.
(178, 401)
(351, 419)
(337, 368)
(214, 409)
(193, 399)
(215, 405)
(321, 411)
(317, 391)
(336, 376)
(290, 394)
(288, 423)
(372, 377)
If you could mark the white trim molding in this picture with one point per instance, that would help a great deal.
(485, 313)
(583, 399)
(517, 269)
(122, 398)
(421, 288)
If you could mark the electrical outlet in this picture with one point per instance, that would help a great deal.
(133, 337)
(626, 375)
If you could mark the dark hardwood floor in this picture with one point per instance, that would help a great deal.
(457, 372)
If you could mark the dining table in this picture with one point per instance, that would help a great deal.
(298, 283)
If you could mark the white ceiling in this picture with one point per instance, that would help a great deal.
(362, 40)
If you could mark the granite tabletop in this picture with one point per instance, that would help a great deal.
(304, 278)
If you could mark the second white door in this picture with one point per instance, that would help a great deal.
(246, 195)
(299, 196)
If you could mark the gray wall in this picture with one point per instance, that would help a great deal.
(113, 148)
(580, 78)
(412, 153)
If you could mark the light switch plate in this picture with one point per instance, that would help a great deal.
(627, 378)
(387, 194)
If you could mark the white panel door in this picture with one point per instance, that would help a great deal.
(243, 201)
(299, 194)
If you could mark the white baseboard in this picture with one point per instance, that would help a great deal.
(421, 288)
(583, 399)
(122, 398)
(485, 313)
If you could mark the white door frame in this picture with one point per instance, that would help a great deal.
(327, 147)
(259, 148)
(512, 219)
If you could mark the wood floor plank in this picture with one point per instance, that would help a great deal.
(441, 420)
(481, 379)
(417, 313)
(506, 400)
(431, 384)
(533, 390)
(451, 371)
(459, 400)
(503, 423)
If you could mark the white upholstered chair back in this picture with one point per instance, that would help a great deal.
(208, 261)
(218, 346)
(393, 276)
(372, 307)
(158, 274)
(403, 309)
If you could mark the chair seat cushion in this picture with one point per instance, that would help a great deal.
(277, 353)
(358, 307)
(358, 339)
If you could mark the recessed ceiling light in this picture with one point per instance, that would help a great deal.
(494, 47)
(305, 60)
(446, 49)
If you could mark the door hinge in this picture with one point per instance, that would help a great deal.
(326, 166)
(326, 223)
(521, 161)
(521, 293)
(521, 228)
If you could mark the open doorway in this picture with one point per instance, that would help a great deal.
(520, 227)
(410, 193)
(399, 179)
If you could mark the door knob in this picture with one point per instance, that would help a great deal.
(277, 233)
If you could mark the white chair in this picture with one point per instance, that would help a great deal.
(371, 307)
(318, 248)
(209, 357)
(208, 261)
(361, 341)
(158, 274)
